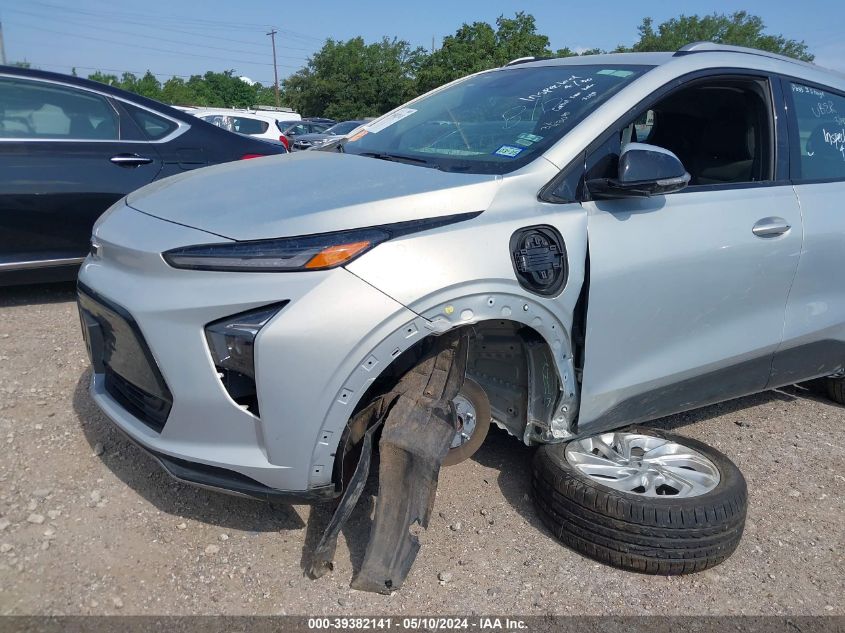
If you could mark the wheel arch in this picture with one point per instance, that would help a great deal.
(541, 331)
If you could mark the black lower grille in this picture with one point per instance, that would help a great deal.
(150, 409)
(118, 349)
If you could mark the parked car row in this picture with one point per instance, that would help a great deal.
(70, 147)
(278, 124)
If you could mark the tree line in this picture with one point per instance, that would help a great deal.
(353, 79)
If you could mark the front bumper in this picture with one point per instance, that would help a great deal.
(302, 358)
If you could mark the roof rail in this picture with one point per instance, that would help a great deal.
(713, 47)
(272, 108)
(521, 60)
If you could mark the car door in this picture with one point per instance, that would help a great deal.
(176, 144)
(687, 291)
(814, 326)
(64, 159)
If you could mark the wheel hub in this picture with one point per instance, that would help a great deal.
(467, 418)
(643, 465)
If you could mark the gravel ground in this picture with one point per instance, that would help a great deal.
(91, 525)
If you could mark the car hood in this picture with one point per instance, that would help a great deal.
(310, 192)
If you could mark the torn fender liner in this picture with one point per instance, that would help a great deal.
(323, 557)
(419, 425)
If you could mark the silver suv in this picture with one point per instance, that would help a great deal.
(565, 247)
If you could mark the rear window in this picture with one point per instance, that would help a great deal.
(152, 125)
(820, 123)
(240, 124)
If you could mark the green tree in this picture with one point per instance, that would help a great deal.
(470, 50)
(103, 78)
(517, 37)
(149, 86)
(739, 28)
(352, 79)
(176, 92)
(477, 46)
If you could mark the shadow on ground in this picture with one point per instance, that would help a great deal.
(143, 474)
(37, 293)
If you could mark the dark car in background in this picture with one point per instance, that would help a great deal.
(307, 141)
(71, 147)
(291, 130)
(319, 119)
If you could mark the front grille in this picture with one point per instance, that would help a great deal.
(118, 349)
(150, 409)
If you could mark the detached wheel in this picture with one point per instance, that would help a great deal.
(642, 500)
(836, 389)
(473, 410)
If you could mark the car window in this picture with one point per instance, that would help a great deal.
(40, 110)
(720, 129)
(819, 116)
(299, 128)
(241, 124)
(342, 128)
(152, 125)
(496, 121)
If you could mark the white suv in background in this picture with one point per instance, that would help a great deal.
(260, 123)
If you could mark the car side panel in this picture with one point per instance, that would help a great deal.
(51, 193)
(686, 304)
(814, 326)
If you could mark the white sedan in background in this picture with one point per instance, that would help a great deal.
(261, 123)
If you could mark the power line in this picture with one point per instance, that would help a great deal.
(151, 48)
(193, 20)
(218, 38)
(160, 39)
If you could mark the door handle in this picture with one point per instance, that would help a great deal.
(770, 227)
(130, 160)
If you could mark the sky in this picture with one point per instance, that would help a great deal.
(185, 37)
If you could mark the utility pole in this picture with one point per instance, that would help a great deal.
(2, 48)
(272, 35)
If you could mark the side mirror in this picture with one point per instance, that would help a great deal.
(644, 170)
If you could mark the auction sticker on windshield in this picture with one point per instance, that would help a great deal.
(389, 119)
(509, 151)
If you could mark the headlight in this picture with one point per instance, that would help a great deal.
(231, 341)
(313, 252)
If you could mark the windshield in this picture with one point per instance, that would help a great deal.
(343, 128)
(494, 122)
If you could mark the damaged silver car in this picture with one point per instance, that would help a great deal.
(562, 248)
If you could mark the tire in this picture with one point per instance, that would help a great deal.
(477, 398)
(836, 389)
(667, 534)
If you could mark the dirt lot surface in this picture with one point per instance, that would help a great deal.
(90, 525)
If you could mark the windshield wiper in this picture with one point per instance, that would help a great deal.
(398, 158)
